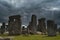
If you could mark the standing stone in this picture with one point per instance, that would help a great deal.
(3, 28)
(42, 25)
(14, 25)
(29, 27)
(33, 25)
(55, 29)
(51, 28)
(6, 28)
(59, 30)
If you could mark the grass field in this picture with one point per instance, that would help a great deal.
(34, 37)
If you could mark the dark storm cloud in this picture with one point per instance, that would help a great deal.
(25, 8)
(3, 10)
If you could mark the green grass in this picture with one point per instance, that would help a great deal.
(34, 37)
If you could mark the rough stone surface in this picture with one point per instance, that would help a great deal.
(32, 27)
(14, 25)
(3, 28)
(51, 28)
(42, 25)
(58, 30)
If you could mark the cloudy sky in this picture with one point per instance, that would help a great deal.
(50, 9)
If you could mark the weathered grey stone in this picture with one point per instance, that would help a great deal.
(3, 28)
(51, 28)
(42, 25)
(59, 30)
(55, 29)
(6, 27)
(14, 25)
(32, 27)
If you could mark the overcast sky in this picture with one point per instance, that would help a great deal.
(50, 9)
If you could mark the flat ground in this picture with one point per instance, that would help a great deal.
(34, 37)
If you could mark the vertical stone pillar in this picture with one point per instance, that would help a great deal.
(59, 30)
(55, 29)
(3, 28)
(33, 25)
(51, 27)
(6, 28)
(29, 28)
(14, 25)
(42, 25)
